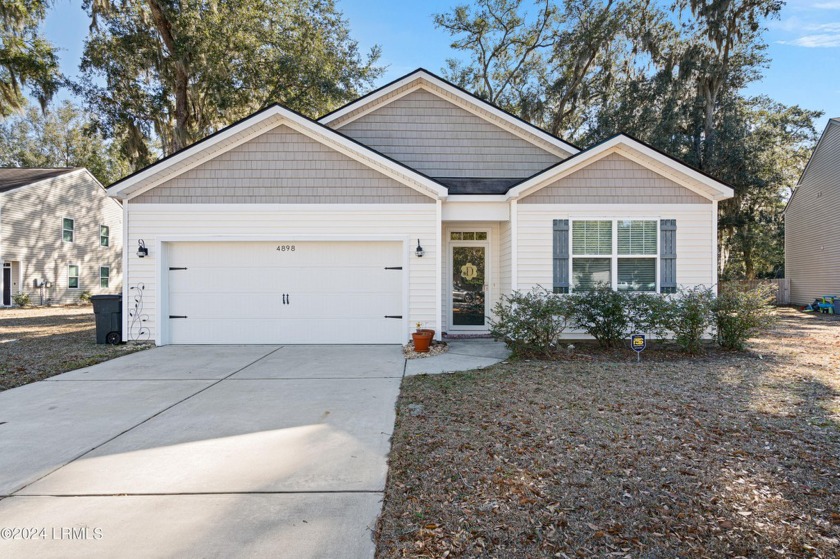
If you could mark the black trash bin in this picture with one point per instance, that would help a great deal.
(108, 311)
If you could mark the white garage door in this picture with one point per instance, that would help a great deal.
(285, 293)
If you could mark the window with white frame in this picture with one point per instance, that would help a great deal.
(104, 235)
(620, 253)
(68, 229)
(104, 276)
(73, 276)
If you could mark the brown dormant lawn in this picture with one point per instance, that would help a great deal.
(721, 456)
(37, 343)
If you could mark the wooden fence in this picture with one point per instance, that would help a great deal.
(782, 287)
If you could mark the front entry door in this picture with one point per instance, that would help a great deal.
(7, 284)
(469, 286)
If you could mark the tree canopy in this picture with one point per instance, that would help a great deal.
(27, 60)
(164, 73)
(671, 74)
(62, 136)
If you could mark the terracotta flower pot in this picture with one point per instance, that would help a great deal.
(430, 331)
(422, 341)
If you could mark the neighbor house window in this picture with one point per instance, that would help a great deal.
(73, 277)
(68, 230)
(621, 254)
(104, 235)
(104, 276)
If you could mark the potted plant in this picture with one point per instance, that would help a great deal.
(422, 339)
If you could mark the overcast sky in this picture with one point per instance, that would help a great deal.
(804, 44)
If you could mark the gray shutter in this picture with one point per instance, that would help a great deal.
(561, 255)
(668, 255)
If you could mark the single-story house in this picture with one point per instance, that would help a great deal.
(812, 225)
(60, 235)
(415, 204)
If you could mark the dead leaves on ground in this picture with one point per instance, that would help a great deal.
(725, 456)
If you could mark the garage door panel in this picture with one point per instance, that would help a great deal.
(279, 280)
(315, 306)
(267, 331)
(266, 255)
(233, 292)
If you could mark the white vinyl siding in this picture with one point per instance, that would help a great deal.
(695, 237)
(812, 225)
(165, 222)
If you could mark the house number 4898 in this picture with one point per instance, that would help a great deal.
(286, 248)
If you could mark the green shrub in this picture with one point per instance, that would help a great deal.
(530, 323)
(648, 313)
(741, 314)
(21, 299)
(601, 313)
(690, 317)
(84, 296)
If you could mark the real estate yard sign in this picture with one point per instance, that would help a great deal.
(638, 343)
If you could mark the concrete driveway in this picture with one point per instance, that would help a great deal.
(201, 451)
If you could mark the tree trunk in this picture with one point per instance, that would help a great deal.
(180, 134)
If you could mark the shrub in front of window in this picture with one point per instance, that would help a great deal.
(21, 299)
(648, 313)
(690, 317)
(601, 313)
(530, 323)
(740, 314)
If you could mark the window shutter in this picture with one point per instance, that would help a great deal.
(561, 255)
(668, 255)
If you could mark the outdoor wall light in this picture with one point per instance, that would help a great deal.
(142, 251)
(419, 250)
(48, 284)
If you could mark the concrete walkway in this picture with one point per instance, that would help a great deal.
(206, 451)
(463, 355)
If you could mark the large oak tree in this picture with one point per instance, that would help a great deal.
(161, 74)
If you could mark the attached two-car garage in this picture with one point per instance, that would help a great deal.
(285, 292)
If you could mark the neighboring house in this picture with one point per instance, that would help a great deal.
(417, 203)
(812, 223)
(60, 235)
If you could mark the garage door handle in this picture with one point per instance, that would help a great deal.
(393, 267)
(171, 268)
(176, 316)
(393, 316)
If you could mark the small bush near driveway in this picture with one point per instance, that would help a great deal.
(723, 456)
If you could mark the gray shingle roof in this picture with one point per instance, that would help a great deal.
(15, 177)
